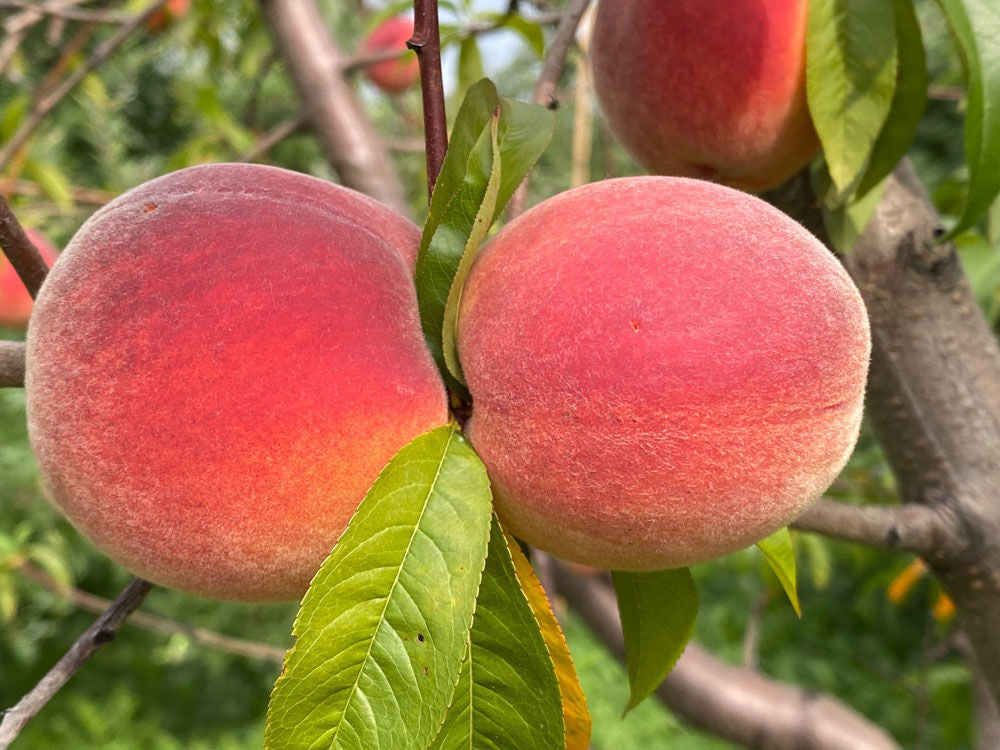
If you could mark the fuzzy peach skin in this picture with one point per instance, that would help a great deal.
(392, 76)
(713, 89)
(218, 366)
(15, 302)
(663, 370)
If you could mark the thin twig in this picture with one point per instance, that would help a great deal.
(47, 102)
(11, 364)
(102, 631)
(91, 196)
(70, 13)
(274, 136)
(426, 42)
(548, 81)
(22, 254)
(201, 636)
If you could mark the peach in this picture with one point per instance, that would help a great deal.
(15, 302)
(218, 366)
(663, 370)
(170, 12)
(396, 75)
(713, 89)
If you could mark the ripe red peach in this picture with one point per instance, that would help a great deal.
(713, 89)
(15, 302)
(218, 366)
(396, 75)
(170, 12)
(663, 370)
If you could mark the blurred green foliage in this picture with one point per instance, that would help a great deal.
(209, 88)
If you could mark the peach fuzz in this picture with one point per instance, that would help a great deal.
(396, 75)
(218, 366)
(663, 370)
(713, 89)
(15, 302)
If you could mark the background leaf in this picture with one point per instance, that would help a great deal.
(850, 80)
(470, 63)
(780, 555)
(658, 611)
(383, 627)
(908, 101)
(975, 25)
(507, 695)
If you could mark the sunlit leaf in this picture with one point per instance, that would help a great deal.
(780, 555)
(383, 628)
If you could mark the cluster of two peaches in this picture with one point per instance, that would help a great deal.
(663, 370)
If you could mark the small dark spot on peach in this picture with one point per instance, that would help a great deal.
(635, 325)
(149, 207)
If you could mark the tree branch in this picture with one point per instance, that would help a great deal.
(920, 529)
(102, 631)
(933, 391)
(738, 704)
(20, 251)
(426, 42)
(548, 81)
(315, 65)
(47, 102)
(201, 636)
(11, 364)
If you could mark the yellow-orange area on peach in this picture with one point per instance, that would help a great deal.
(219, 365)
(663, 370)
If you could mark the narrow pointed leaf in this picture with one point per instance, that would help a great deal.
(507, 695)
(470, 63)
(850, 80)
(523, 132)
(658, 611)
(480, 226)
(908, 101)
(576, 715)
(383, 627)
(780, 555)
(975, 25)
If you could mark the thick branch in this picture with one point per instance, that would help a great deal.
(738, 704)
(11, 364)
(548, 81)
(316, 64)
(46, 103)
(426, 42)
(102, 631)
(933, 392)
(921, 529)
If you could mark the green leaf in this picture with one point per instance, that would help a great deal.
(844, 222)
(850, 80)
(53, 182)
(470, 63)
(383, 627)
(780, 555)
(908, 101)
(523, 132)
(8, 597)
(658, 611)
(975, 25)
(507, 695)
(576, 715)
(480, 226)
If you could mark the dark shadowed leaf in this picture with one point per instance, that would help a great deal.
(658, 611)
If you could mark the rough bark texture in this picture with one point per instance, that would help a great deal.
(316, 65)
(737, 704)
(933, 393)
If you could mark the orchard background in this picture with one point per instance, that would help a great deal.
(239, 81)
